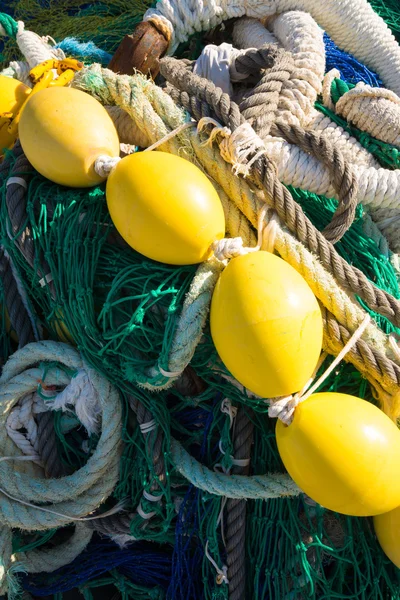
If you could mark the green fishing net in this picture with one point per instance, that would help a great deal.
(120, 310)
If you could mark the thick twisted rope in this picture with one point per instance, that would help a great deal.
(260, 109)
(47, 446)
(49, 560)
(235, 534)
(241, 487)
(23, 488)
(16, 201)
(22, 323)
(75, 495)
(19, 316)
(259, 106)
(353, 25)
(263, 173)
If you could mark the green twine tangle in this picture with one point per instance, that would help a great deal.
(9, 25)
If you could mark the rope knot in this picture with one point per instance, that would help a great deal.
(230, 248)
(236, 147)
(104, 164)
(283, 408)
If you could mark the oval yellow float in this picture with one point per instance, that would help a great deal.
(62, 132)
(344, 453)
(266, 324)
(387, 529)
(165, 207)
(13, 94)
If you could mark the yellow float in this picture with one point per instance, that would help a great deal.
(165, 207)
(266, 324)
(344, 453)
(13, 94)
(387, 529)
(63, 131)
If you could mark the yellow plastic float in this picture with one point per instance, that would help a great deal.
(165, 207)
(62, 132)
(387, 529)
(13, 94)
(266, 324)
(344, 453)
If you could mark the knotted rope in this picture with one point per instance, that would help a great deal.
(205, 96)
(374, 44)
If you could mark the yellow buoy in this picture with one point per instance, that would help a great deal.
(62, 132)
(266, 324)
(387, 529)
(165, 207)
(344, 453)
(13, 94)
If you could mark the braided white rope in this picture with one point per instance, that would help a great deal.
(34, 48)
(352, 24)
(75, 495)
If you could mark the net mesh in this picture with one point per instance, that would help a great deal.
(120, 310)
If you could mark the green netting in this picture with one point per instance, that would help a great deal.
(103, 23)
(120, 310)
(389, 10)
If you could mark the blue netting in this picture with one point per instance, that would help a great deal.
(146, 565)
(350, 68)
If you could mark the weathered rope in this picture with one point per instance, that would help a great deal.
(235, 535)
(19, 316)
(259, 108)
(24, 490)
(47, 446)
(118, 526)
(16, 199)
(241, 487)
(263, 173)
(18, 379)
(373, 44)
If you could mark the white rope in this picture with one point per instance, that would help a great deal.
(169, 374)
(144, 515)
(104, 164)
(34, 48)
(222, 574)
(147, 427)
(34, 457)
(46, 279)
(352, 24)
(170, 135)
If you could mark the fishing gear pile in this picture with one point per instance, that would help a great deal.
(199, 301)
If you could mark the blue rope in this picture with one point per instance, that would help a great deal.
(144, 564)
(84, 51)
(350, 69)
